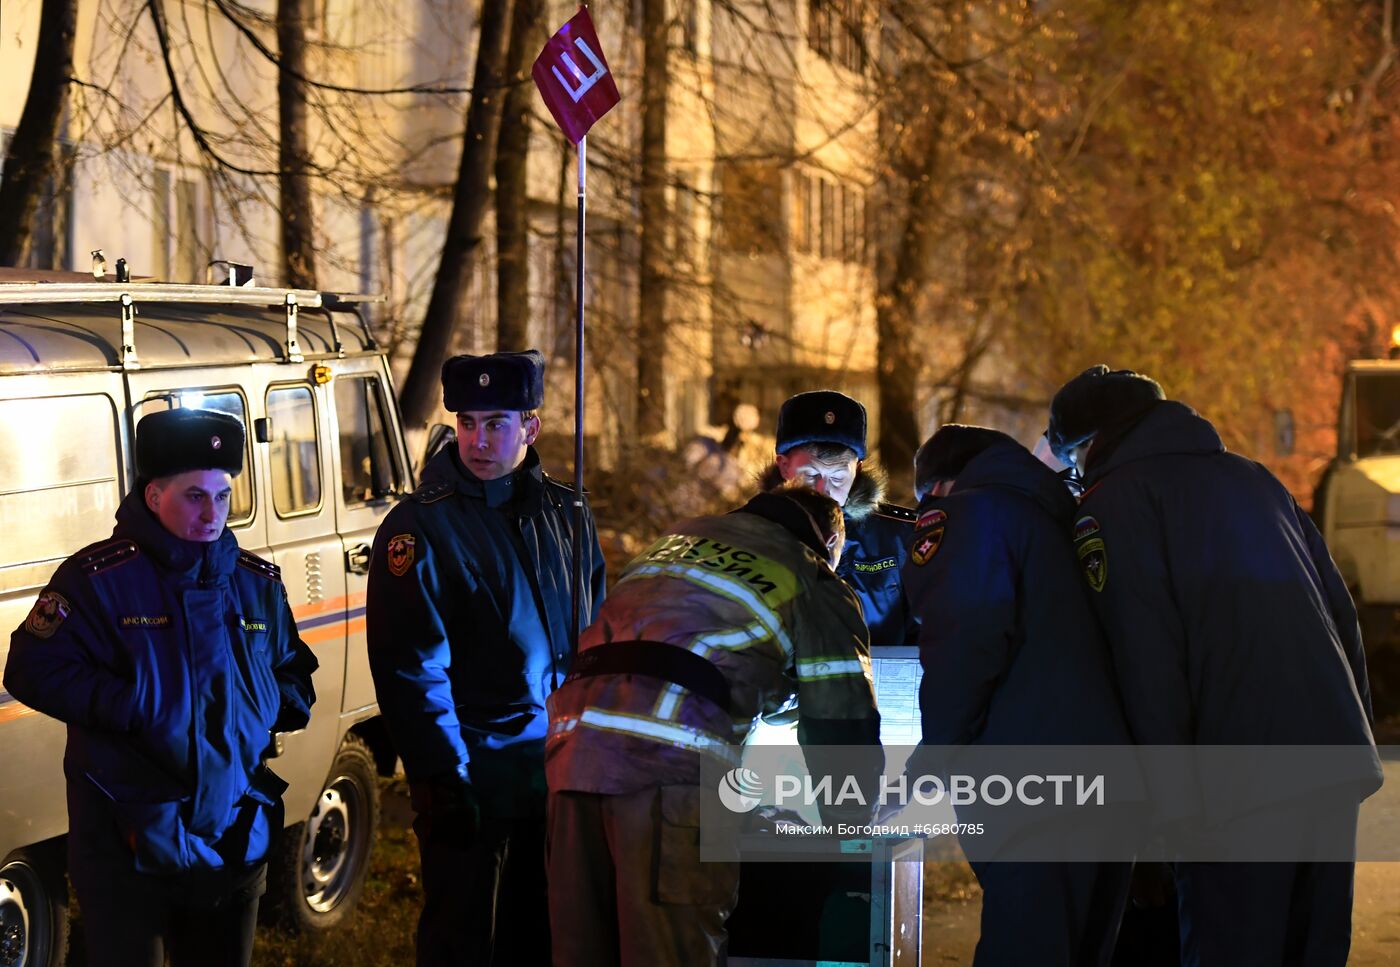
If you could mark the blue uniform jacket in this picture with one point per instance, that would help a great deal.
(468, 612)
(1011, 651)
(171, 662)
(1228, 621)
(877, 544)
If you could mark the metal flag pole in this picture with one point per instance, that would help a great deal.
(578, 399)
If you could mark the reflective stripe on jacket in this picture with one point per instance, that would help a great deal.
(745, 594)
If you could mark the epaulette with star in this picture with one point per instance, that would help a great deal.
(896, 512)
(109, 554)
(562, 484)
(259, 566)
(432, 491)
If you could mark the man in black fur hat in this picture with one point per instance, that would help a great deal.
(172, 656)
(1020, 662)
(821, 442)
(1229, 625)
(470, 589)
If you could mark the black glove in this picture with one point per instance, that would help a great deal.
(450, 803)
(1152, 886)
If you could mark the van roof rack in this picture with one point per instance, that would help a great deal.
(16, 293)
(130, 294)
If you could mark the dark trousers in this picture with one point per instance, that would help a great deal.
(484, 896)
(1276, 914)
(1243, 914)
(1050, 914)
(627, 885)
(205, 918)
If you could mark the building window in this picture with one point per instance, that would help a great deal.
(829, 218)
(161, 228)
(192, 233)
(684, 235)
(802, 213)
(749, 219)
(836, 31)
(690, 28)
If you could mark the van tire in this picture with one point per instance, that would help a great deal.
(34, 907)
(319, 869)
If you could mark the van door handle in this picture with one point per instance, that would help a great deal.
(357, 559)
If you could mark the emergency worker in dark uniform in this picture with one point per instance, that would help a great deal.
(821, 442)
(720, 620)
(1013, 655)
(172, 656)
(1229, 626)
(468, 627)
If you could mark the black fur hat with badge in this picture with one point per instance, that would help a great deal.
(823, 416)
(500, 381)
(171, 442)
(944, 455)
(1098, 400)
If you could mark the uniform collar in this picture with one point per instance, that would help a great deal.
(525, 485)
(788, 515)
(197, 560)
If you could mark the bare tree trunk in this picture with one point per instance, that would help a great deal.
(907, 274)
(651, 320)
(512, 183)
(31, 161)
(421, 389)
(294, 152)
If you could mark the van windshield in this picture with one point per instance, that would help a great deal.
(1377, 414)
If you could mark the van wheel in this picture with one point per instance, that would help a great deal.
(320, 870)
(33, 909)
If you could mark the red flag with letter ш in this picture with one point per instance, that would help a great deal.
(573, 77)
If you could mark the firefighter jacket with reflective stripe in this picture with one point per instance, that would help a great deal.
(746, 593)
(468, 611)
(171, 662)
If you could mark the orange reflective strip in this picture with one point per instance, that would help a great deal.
(336, 629)
(319, 607)
(328, 605)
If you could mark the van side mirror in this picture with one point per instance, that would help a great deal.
(262, 430)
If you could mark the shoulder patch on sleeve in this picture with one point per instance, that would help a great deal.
(1092, 552)
(399, 553)
(928, 534)
(258, 566)
(429, 492)
(102, 557)
(896, 511)
(47, 614)
(1084, 528)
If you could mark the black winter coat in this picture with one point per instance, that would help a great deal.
(1011, 652)
(1228, 621)
(171, 662)
(468, 611)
